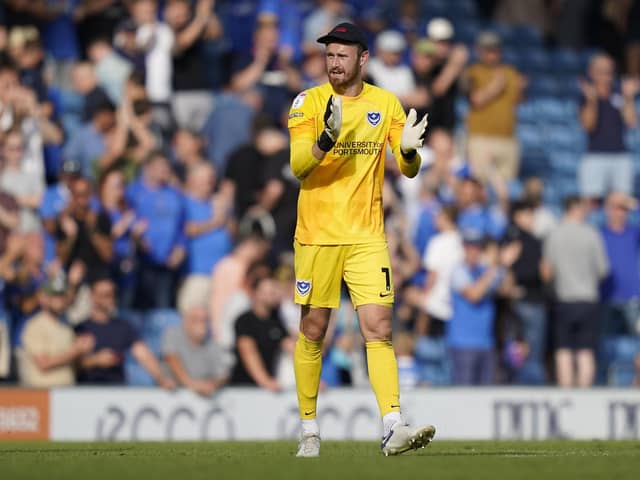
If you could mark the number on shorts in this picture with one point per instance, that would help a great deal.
(387, 278)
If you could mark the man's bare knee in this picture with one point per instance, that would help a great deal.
(314, 323)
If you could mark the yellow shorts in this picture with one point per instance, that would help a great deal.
(365, 268)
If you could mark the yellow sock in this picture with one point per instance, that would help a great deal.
(383, 375)
(307, 363)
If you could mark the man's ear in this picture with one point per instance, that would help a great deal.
(364, 57)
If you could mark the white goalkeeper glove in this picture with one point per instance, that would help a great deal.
(332, 124)
(412, 134)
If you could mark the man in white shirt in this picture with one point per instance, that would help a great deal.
(387, 69)
(444, 252)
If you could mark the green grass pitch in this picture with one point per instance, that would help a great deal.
(545, 460)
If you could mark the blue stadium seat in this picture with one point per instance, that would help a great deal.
(567, 60)
(530, 136)
(563, 163)
(527, 112)
(461, 9)
(431, 354)
(526, 36)
(544, 85)
(552, 109)
(536, 60)
(616, 356)
(151, 328)
(563, 137)
(466, 31)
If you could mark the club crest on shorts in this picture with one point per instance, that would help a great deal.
(373, 118)
(303, 287)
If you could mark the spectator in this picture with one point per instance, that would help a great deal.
(605, 114)
(576, 262)
(470, 330)
(193, 358)
(621, 288)
(327, 14)
(544, 220)
(449, 62)
(495, 89)
(245, 190)
(114, 339)
(60, 38)
(111, 69)
(25, 49)
(443, 254)
(23, 273)
(88, 144)
(160, 209)
(156, 40)
(55, 201)
(444, 167)
(49, 346)
(475, 213)
(209, 240)
(387, 69)
(191, 102)
(260, 336)
(529, 302)
(188, 150)
(25, 187)
(408, 370)
(279, 195)
(232, 277)
(124, 230)
(84, 235)
(267, 70)
(85, 84)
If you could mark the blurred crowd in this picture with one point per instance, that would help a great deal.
(147, 207)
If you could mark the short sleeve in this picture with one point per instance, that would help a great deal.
(302, 115)
(170, 341)
(430, 256)
(242, 326)
(129, 335)
(460, 278)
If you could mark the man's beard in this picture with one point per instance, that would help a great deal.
(345, 81)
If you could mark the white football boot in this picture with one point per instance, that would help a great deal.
(309, 445)
(402, 438)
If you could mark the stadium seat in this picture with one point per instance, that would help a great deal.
(616, 359)
(536, 60)
(462, 108)
(552, 109)
(527, 112)
(151, 328)
(525, 36)
(431, 354)
(564, 138)
(544, 85)
(567, 60)
(530, 136)
(467, 31)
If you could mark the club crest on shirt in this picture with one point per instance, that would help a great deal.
(299, 100)
(373, 118)
(303, 287)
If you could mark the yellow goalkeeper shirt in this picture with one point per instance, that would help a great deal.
(340, 200)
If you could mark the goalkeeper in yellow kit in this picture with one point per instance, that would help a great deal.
(339, 132)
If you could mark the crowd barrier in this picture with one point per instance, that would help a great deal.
(141, 414)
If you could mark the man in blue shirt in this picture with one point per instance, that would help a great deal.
(620, 291)
(475, 214)
(470, 330)
(160, 208)
(208, 239)
(88, 144)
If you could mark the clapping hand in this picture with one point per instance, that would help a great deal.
(413, 133)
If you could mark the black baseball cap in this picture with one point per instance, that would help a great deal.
(346, 33)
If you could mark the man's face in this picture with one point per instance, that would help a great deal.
(344, 66)
(57, 304)
(473, 253)
(81, 195)
(103, 296)
(490, 56)
(602, 71)
(268, 293)
(196, 324)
